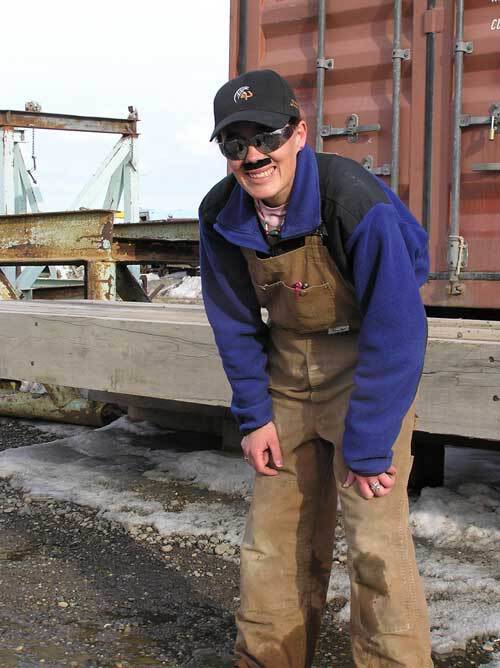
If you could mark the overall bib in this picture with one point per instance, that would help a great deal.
(286, 555)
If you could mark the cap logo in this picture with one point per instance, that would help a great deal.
(243, 93)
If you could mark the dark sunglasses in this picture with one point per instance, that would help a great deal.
(265, 142)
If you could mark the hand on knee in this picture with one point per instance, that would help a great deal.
(373, 486)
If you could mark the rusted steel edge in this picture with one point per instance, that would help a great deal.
(60, 238)
(135, 251)
(43, 121)
(100, 281)
(7, 290)
(77, 237)
(88, 237)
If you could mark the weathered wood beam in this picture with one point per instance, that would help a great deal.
(60, 404)
(168, 352)
(148, 350)
(460, 388)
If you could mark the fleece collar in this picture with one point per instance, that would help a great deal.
(238, 223)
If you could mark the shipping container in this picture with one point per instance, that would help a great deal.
(412, 91)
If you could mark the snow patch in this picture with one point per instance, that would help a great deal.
(495, 663)
(99, 469)
(119, 470)
(463, 597)
(215, 471)
(142, 428)
(469, 516)
(188, 288)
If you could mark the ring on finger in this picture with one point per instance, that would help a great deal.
(375, 486)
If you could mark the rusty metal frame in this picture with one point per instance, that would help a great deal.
(173, 229)
(42, 121)
(56, 238)
(90, 237)
(118, 171)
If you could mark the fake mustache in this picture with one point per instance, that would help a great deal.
(248, 166)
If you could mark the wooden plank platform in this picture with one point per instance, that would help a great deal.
(147, 350)
(168, 351)
(460, 388)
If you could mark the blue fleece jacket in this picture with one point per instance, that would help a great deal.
(386, 255)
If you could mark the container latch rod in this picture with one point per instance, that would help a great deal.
(383, 170)
(457, 260)
(495, 121)
(352, 129)
(486, 167)
(492, 120)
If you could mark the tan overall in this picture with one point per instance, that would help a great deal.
(287, 549)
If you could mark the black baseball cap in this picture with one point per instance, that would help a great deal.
(260, 96)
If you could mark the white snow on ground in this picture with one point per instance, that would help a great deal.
(119, 469)
(98, 468)
(205, 469)
(459, 531)
(188, 288)
(175, 286)
(492, 664)
(463, 596)
(466, 517)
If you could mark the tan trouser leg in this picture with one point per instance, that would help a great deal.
(389, 624)
(287, 551)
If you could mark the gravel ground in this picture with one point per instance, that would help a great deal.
(80, 591)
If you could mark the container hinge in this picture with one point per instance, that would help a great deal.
(383, 170)
(325, 63)
(352, 129)
(464, 47)
(402, 54)
(457, 260)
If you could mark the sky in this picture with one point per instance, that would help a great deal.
(167, 59)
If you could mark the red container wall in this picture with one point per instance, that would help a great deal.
(282, 35)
